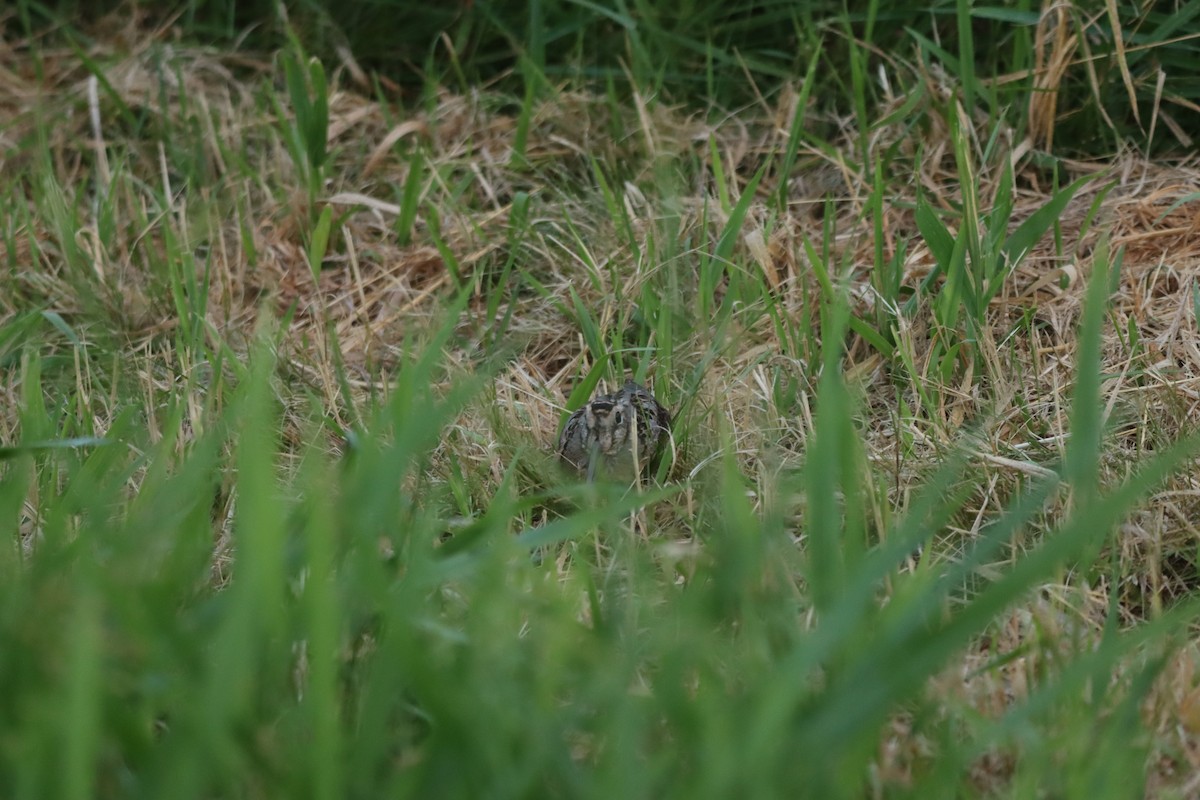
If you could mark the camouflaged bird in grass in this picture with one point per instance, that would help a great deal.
(618, 435)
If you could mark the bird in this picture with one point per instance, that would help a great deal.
(619, 435)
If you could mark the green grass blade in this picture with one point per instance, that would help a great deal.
(1027, 234)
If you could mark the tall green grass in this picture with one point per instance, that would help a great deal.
(707, 51)
(341, 642)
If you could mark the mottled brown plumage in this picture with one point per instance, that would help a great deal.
(616, 435)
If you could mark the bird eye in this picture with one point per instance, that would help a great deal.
(618, 416)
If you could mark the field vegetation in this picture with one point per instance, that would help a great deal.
(295, 298)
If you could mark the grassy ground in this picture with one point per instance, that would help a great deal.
(285, 355)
